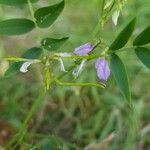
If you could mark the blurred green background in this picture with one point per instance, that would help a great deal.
(76, 117)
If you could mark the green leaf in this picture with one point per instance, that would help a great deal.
(124, 36)
(143, 38)
(15, 2)
(16, 26)
(144, 55)
(33, 53)
(47, 15)
(120, 75)
(53, 44)
(13, 69)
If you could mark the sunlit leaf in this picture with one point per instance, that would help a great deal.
(120, 75)
(33, 53)
(47, 15)
(123, 36)
(15, 2)
(16, 26)
(53, 44)
(143, 38)
(144, 55)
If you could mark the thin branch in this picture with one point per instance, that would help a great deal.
(101, 85)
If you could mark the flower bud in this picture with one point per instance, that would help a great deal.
(102, 68)
(84, 49)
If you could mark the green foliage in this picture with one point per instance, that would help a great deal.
(143, 38)
(13, 69)
(123, 36)
(15, 2)
(144, 55)
(51, 143)
(67, 111)
(120, 75)
(16, 26)
(53, 44)
(46, 16)
(32, 53)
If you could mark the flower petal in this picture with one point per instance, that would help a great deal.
(115, 17)
(77, 71)
(84, 49)
(24, 67)
(102, 68)
(62, 67)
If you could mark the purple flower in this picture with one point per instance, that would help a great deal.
(102, 69)
(83, 49)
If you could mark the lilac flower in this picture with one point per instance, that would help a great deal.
(84, 49)
(101, 65)
(102, 69)
(81, 51)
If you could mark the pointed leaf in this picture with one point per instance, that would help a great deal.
(53, 44)
(143, 38)
(13, 69)
(15, 2)
(33, 53)
(144, 55)
(119, 73)
(16, 26)
(47, 15)
(124, 36)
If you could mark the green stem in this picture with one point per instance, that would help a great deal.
(79, 84)
(88, 57)
(102, 8)
(33, 18)
(31, 11)
(19, 137)
(18, 59)
(99, 24)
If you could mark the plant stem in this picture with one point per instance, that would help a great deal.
(88, 57)
(31, 11)
(19, 59)
(79, 84)
(102, 8)
(19, 137)
(99, 24)
(33, 18)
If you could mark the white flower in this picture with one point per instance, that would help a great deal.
(25, 65)
(77, 71)
(62, 67)
(115, 17)
(63, 54)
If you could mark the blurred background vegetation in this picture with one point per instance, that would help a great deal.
(76, 117)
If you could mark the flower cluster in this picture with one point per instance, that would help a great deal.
(102, 67)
